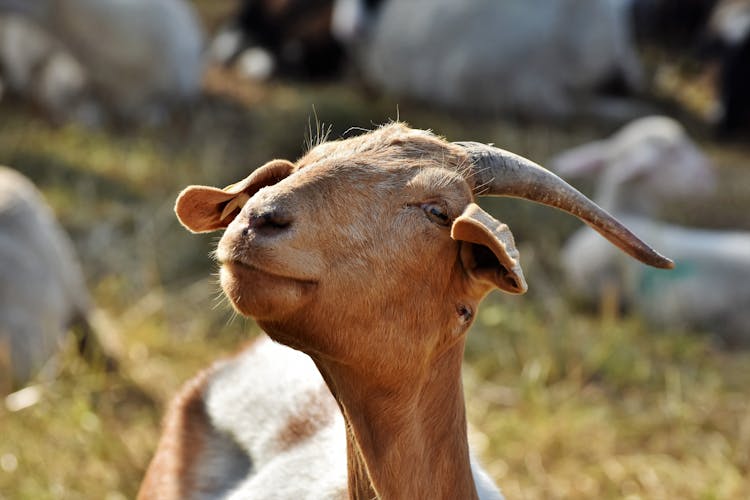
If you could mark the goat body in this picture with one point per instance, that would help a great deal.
(370, 256)
(278, 390)
(222, 454)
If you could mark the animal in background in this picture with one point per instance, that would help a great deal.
(266, 38)
(714, 34)
(140, 58)
(42, 289)
(644, 165)
(648, 163)
(370, 256)
(526, 57)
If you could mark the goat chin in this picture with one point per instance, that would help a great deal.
(261, 294)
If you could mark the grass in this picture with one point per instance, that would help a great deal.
(594, 408)
(562, 403)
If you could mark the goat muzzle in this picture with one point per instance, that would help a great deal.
(497, 172)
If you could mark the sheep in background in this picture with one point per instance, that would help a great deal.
(647, 163)
(42, 290)
(371, 256)
(530, 57)
(140, 57)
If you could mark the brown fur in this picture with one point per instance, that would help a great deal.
(317, 412)
(171, 473)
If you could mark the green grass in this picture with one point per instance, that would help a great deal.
(562, 404)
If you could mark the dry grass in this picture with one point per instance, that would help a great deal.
(562, 404)
(600, 409)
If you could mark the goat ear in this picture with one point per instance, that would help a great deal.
(489, 253)
(580, 161)
(203, 208)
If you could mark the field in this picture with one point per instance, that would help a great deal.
(563, 402)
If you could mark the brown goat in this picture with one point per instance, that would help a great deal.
(370, 256)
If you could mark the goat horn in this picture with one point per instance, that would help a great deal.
(495, 171)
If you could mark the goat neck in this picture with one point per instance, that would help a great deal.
(405, 439)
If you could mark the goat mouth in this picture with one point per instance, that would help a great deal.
(241, 267)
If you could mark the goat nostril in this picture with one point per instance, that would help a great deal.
(276, 220)
(270, 221)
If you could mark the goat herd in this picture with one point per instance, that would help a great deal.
(370, 254)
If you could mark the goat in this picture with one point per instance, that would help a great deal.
(42, 290)
(370, 256)
(531, 58)
(647, 163)
(140, 57)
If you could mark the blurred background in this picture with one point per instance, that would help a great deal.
(607, 380)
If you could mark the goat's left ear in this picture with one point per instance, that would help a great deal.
(203, 208)
(490, 254)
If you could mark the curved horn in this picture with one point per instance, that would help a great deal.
(495, 171)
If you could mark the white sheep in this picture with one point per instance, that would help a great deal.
(140, 56)
(370, 256)
(42, 290)
(649, 162)
(530, 57)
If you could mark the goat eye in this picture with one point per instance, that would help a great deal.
(436, 213)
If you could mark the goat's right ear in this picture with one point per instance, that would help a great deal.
(203, 208)
(489, 253)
